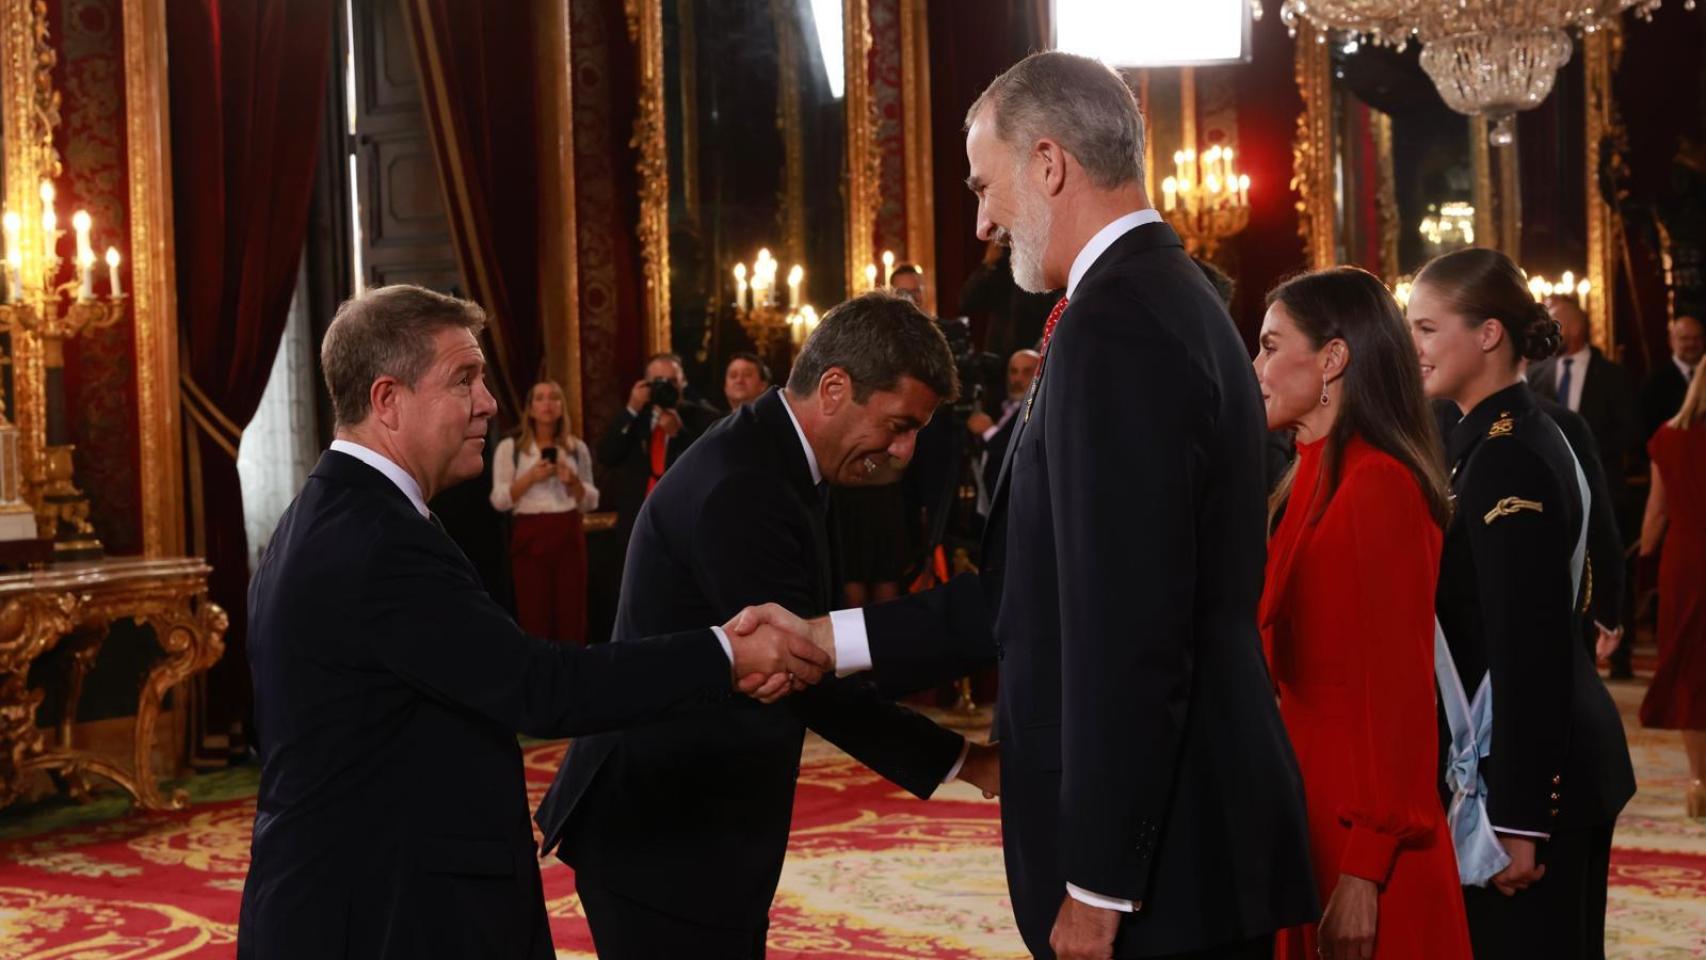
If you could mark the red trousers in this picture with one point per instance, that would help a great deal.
(547, 558)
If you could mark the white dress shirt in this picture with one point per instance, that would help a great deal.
(549, 495)
(853, 643)
(1578, 376)
(392, 472)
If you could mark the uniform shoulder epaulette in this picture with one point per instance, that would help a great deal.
(1502, 426)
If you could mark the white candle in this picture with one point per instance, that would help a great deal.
(112, 272)
(795, 276)
(888, 267)
(1243, 190)
(870, 276)
(81, 222)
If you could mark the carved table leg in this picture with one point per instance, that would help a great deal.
(29, 626)
(85, 647)
(191, 632)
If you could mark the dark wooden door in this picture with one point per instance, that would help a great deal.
(405, 234)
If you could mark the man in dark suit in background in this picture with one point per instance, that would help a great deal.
(1150, 802)
(392, 817)
(1601, 392)
(994, 432)
(677, 832)
(659, 423)
(1667, 382)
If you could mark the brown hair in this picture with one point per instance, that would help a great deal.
(1481, 285)
(1381, 394)
(387, 332)
(877, 338)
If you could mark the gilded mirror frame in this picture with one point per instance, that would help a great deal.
(864, 162)
(30, 114)
(1497, 204)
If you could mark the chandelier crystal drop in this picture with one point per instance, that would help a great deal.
(1488, 58)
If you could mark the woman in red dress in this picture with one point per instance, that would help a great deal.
(1347, 617)
(1676, 513)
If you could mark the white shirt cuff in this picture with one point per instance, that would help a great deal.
(1097, 900)
(852, 644)
(992, 431)
(954, 771)
(723, 638)
(1522, 833)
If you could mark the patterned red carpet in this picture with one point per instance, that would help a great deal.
(872, 873)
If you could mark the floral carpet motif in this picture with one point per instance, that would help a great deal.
(871, 872)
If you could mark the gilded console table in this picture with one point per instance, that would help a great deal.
(74, 604)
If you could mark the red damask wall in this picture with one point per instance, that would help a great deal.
(100, 366)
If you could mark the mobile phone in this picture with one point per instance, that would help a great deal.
(549, 454)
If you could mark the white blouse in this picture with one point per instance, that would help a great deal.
(549, 495)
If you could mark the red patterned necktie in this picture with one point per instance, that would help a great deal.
(1053, 318)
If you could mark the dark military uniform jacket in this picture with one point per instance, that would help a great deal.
(1508, 603)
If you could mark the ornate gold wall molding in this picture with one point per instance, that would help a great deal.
(1312, 150)
(153, 271)
(1601, 52)
(559, 247)
(31, 113)
(645, 30)
(915, 127)
(788, 43)
(1386, 196)
(864, 163)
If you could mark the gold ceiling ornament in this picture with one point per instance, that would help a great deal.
(1488, 58)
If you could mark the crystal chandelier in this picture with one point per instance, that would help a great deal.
(1490, 58)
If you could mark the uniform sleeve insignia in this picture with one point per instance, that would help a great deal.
(1510, 505)
(1502, 426)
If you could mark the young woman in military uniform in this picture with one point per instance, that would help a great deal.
(1535, 766)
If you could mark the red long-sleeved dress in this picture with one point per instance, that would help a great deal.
(1348, 622)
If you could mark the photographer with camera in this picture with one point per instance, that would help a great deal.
(660, 423)
(542, 475)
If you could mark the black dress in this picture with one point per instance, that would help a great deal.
(1510, 607)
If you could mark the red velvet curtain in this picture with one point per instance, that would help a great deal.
(970, 45)
(247, 94)
(480, 81)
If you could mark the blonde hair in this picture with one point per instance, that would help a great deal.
(1693, 405)
(529, 431)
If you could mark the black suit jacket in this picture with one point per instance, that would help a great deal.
(995, 451)
(625, 452)
(1142, 754)
(1662, 394)
(392, 816)
(1612, 411)
(692, 818)
(1509, 607)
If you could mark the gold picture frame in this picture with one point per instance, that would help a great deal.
(30, 113)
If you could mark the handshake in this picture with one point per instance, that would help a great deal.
(777, 653)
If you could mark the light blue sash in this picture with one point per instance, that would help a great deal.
(1479, 854)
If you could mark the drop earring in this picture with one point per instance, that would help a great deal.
(1324, 391)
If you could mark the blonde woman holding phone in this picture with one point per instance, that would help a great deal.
(542, 475)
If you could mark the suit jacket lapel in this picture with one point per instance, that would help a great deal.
(769, 412)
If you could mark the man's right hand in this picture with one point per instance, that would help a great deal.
(769, 660)
(816, 632)
(979, 423)
(639, 397)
